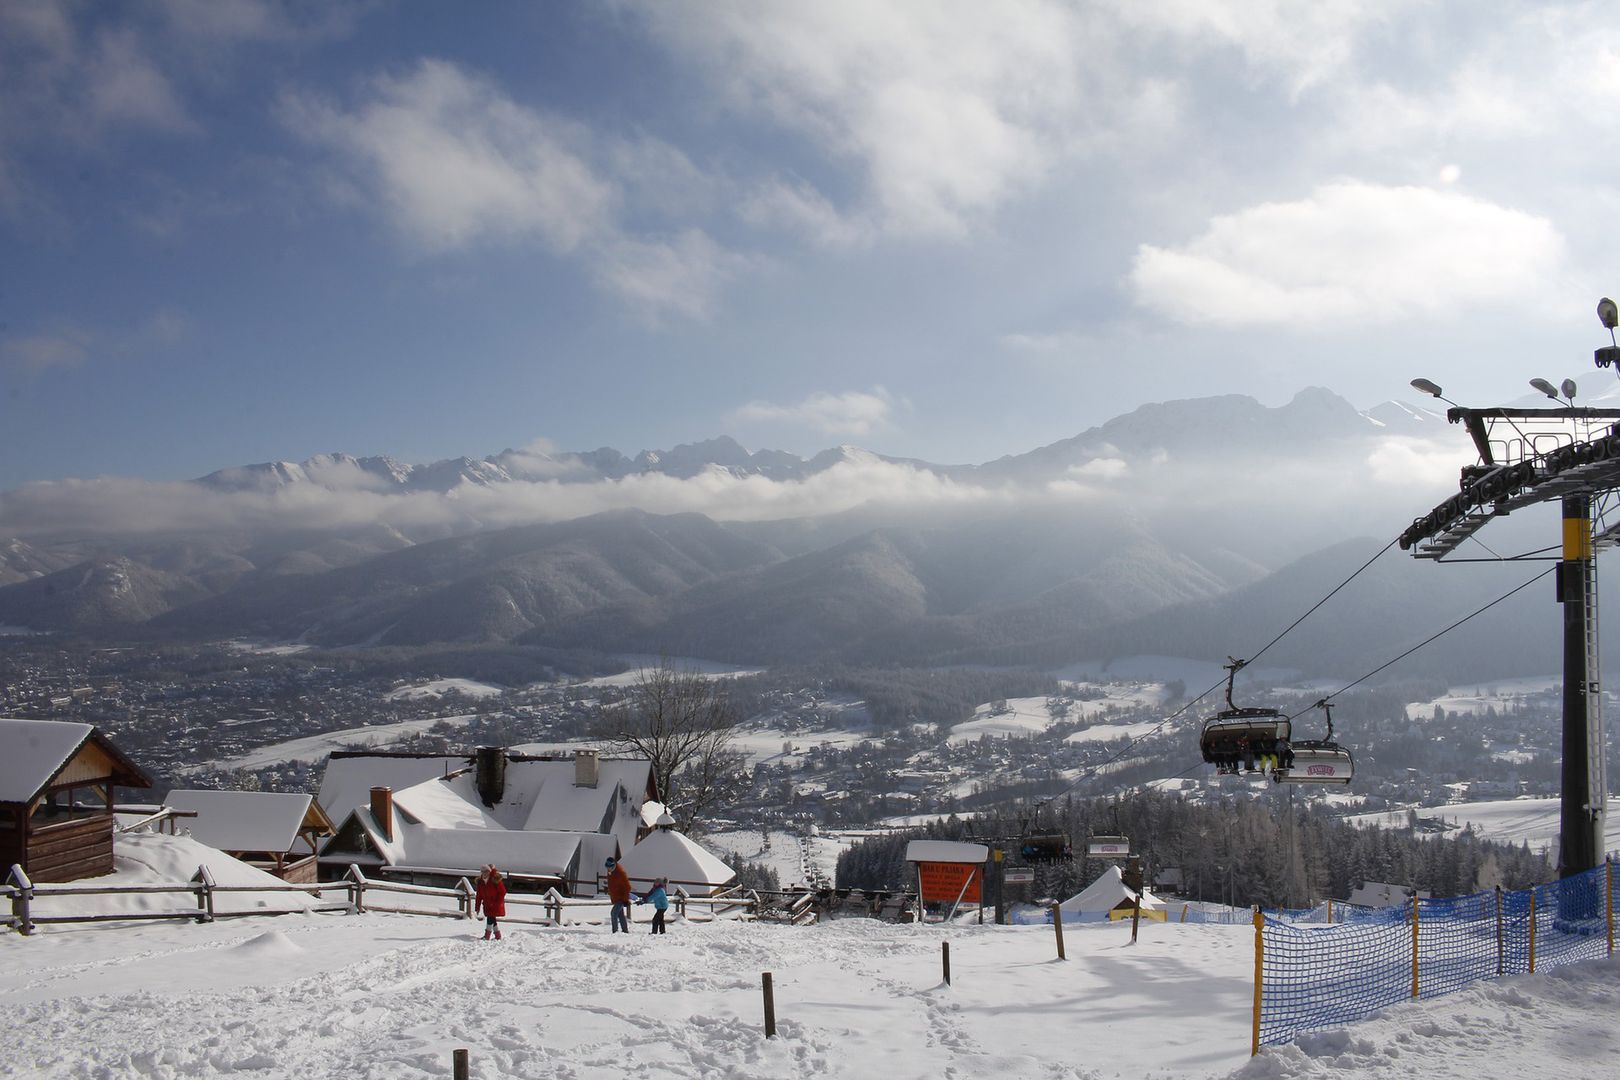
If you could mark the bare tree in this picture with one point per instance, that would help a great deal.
(684, 724)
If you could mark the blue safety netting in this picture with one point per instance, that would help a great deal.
(1324, 975)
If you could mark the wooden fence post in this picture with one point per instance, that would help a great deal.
(464, 898)
(945, 957)
(1532, 929)
(680, 902)
(1259, 979)
(205, 894)
(770, 1005)
(1057, 924)
(1414, 947)
(1136, 917)
(22, 902)
(1501, 952)
(458, 1063)
(357, 888)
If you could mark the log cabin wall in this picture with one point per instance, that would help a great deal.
(68, 850)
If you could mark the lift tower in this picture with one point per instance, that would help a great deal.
(1529, 456)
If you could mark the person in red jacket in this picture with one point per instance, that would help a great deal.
(490, 897)
(618, 889)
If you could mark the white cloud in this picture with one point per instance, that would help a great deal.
(946, 110)
(853, 413)
(457, 163)
(1352, 251)
(679, 276)
(37, 352)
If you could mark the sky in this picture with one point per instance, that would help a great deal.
(238, 231)
(394, 995)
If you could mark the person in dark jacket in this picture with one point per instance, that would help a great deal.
(490, 898)
(658, 897)
(618, 889)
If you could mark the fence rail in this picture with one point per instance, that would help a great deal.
(359, 895)
(1312, 977)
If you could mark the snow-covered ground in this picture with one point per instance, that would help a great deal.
(317, 747)
(1512, 821)
(1023, 717)
(1477, 697)
(798, 859)
(684, 664)
(440, 687)
(390, 996)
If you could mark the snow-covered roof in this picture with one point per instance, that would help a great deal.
(951, 851)
(1107, 893)
(669, 854)
(242, 820)
(545, 854)
(349, 778)
(35, 751)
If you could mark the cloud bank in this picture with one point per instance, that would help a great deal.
(1351, 252)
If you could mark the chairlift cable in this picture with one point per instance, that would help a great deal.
(1425, 641)
(1324, 600)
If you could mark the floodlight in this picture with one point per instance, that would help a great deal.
(1426, 387)
(1569, 389)
(1545, 387)
(1608, 313)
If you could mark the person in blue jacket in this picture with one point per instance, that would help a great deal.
(658, 896)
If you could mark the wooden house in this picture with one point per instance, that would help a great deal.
(56, 798)
(277, 831)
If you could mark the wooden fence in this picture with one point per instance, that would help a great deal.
(359, 895)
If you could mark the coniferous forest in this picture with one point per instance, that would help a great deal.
(1266, 851)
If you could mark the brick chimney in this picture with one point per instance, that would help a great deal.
(491, 774)
(382, 808)
(587, 768)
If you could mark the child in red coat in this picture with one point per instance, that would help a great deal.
(490, 897)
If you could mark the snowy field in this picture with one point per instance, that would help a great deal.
(440, 687)
(390, 996)
(1512, 821)
(683, 664)
(1477, 697)
(317, 747)
(797, 859)
(1023, 717)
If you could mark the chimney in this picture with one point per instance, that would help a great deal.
(382, 808)
(587, 768)
(491, 774)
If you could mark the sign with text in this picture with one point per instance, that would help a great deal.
(1020, 876)
(943, 881)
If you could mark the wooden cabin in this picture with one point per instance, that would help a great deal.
(278, 832)
(56, 798)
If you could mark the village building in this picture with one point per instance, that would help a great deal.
(681, 861)
(1110, 898)
(1380, 894)
(56, 798)
(276, 831)
(547, 822)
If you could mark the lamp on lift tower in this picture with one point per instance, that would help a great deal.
(1609, 315)
(1433, 390)
(1568, 389)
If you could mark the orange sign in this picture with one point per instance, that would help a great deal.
(943, 881)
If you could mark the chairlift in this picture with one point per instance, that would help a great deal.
(1243, 739)
(1037, 845)
(1109, 847)
(1316, 761)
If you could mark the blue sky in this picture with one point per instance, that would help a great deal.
(238, 231)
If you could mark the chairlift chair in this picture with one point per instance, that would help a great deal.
(1316, 761)
(1238, 737)
(1109, 847)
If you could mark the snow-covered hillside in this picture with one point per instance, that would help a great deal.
(391, 996)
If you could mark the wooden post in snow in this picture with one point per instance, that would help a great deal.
(458, 1063)
(770, 1005)
(1057, 925)
(945, 958)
